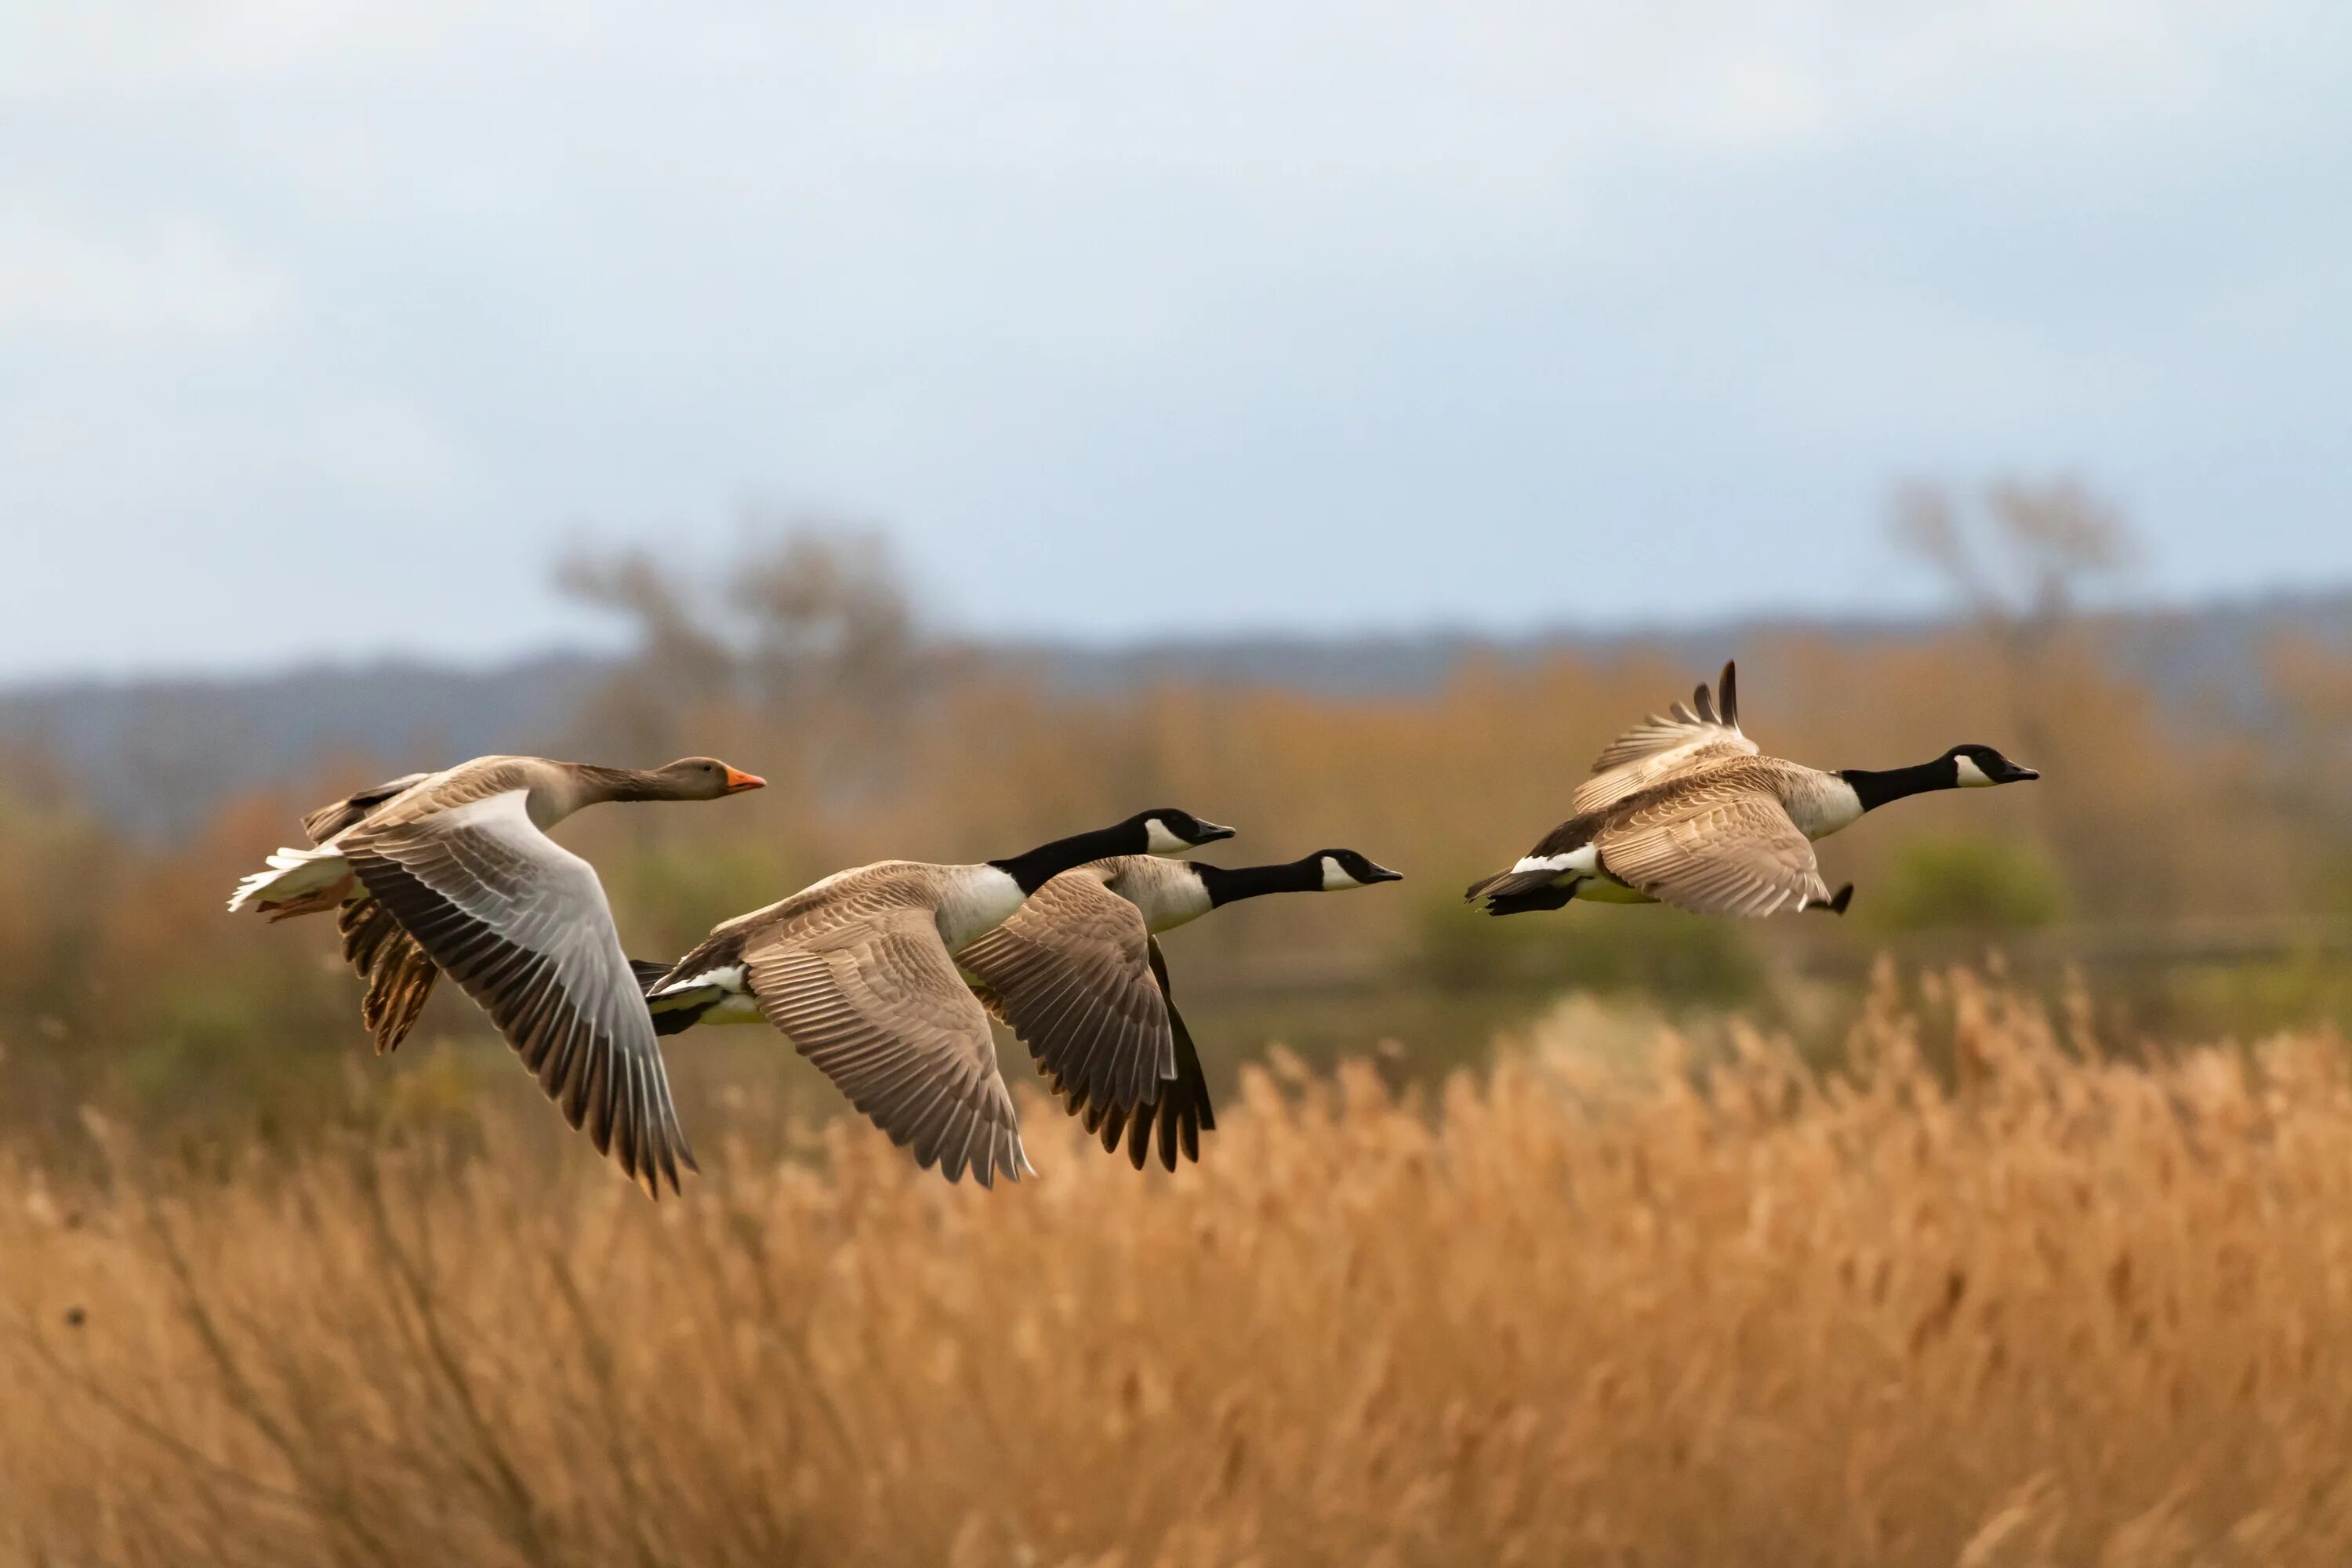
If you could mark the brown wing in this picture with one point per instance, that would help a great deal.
(396, 972)
(329, 820)
(876, 1002)
(1070, 974)
(522, 924)
(1661, 745)
(1731, 850)
(1180, 1114)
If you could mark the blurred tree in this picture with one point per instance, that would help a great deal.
(824, 615)
(2021, 558)
(681, 656)
(2018, 557)
(810, 627)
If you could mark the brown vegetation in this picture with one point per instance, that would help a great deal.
(1991, 1297)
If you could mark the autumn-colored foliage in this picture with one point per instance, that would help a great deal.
(1988, 1294)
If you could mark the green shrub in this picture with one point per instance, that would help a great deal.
(1967, 882)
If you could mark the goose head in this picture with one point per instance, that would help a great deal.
(700, 778)
(1345, 868)
(1980, 767)
(1166, 830)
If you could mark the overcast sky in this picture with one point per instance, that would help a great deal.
(324, 326)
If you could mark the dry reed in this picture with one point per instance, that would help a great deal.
(2032, 1304)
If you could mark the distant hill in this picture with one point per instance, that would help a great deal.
(158, 755)
(2215, 650)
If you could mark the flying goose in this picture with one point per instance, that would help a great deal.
(1076, 973)
(455, 871)
(859, 970)
(1682, 810)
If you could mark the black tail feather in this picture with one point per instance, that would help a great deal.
(1838, 900)
(1509, 892)
(1526, 903)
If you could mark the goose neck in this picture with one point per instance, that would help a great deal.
(1034, 868)
(1227, 886)
(1875, 787)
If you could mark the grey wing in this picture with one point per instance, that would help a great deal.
(878, 1004)
(1728, 852)
(1665, 745)
(522, 924)
(1070, 973)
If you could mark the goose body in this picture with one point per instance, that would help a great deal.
(1078, 975)
(1683, 809)
(454, 871)
(859, 970)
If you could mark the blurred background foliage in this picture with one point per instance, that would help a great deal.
(2194, 857)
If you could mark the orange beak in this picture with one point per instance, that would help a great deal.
(739, 781)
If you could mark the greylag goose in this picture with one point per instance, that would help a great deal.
(1077, 974)
(1683, 810)
(859, 972)
(454, 871)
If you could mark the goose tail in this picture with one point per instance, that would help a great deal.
(1516, 885)
(295, 882)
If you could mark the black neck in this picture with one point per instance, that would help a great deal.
(1255, 881)
(1040, 866)
(1876, 788)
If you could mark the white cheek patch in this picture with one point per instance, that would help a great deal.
(1334, 877)
(1584, 862)
(1160, 841)
(1971, 775)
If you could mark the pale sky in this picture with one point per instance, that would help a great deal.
(324, 326)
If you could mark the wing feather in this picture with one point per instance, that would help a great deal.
(877, 1004)
(1665, 745)
(1070, 973)
(522, 924)
(1731, 850)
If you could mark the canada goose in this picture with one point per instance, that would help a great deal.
(1684, 811)
(1076, 973)
(858, 971)
(454, 870)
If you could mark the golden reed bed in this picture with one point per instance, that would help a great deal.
(2033, 1308)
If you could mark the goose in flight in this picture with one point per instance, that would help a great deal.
(454, 871)
(1684, 810)
(859, 970)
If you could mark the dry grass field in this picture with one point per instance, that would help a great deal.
(1988, 1295)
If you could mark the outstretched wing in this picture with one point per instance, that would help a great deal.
(522, 924)
(1180, 1114)
(1070, 973)
(876, 1002)
(1730, 851)
(1660, 745)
